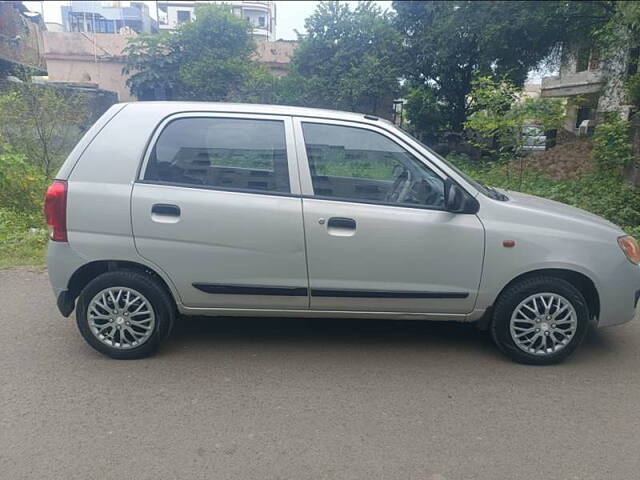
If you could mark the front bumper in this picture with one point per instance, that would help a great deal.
(620, 296)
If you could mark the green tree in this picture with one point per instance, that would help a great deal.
(210, 59)
(152, 62)
(348, 59)
(426, 115)
(447, 42)
(501, 113)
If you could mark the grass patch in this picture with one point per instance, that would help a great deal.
(23, 239)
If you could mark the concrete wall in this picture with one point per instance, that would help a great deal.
(20, 38)
(81, 58)
(276, 56)
(104, 75)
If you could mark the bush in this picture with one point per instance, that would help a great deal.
(23, 238)
(598, 193)
(632, 86)
(612, 149)
(22, 185)
(23, 234)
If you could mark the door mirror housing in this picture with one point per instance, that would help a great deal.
(457, 200)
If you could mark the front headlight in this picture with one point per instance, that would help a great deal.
(630, 247)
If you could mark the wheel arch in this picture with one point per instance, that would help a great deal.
(582, 282)
(87, 272)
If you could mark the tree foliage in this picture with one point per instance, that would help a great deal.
(209, 59)
(427, 117)
(348, 59)
(447, 43)
(501, 113)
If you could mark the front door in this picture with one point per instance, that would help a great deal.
(218, 208)
(378, 237)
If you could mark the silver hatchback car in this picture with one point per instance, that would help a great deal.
(225, 209)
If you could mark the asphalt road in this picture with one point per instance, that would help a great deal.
(307, 399)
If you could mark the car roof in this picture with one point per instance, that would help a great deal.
(180, 106)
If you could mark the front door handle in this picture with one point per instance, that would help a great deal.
(165, 213)
(341, 227)
(342, 222)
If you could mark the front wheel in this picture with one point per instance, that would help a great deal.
(124, 314)
(540, 320)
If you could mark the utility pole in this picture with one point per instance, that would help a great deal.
(157, 18)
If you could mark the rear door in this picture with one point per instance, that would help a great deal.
(217, 207)
(378, 235)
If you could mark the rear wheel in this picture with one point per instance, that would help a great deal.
(540, 320)
(124, 314)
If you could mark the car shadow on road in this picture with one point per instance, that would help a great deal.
(205, 333)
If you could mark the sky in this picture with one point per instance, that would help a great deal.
(290, 15)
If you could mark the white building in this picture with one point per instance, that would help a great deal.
(261, 15)
(593, 84)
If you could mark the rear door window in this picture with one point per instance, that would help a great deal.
(226, 153)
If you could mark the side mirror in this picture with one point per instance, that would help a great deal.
(457, 200)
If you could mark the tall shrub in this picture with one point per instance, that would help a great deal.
(612, 145)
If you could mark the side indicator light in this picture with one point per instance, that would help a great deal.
(508, 243)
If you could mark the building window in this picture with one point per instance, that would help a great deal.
(584, 113)
(184, 16)
(632, 67)
(261, 22)
(582, 59)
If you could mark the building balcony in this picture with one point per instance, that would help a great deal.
(568, 85)
(261, 32)
(262, 6)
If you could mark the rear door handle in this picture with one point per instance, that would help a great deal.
(165, 213)
(166, 209)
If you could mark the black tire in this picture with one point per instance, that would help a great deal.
(160, 300)
(509, 301)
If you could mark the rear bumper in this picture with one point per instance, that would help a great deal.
(62, 263)
(66, 303)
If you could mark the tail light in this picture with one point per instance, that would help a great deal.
(55, 210)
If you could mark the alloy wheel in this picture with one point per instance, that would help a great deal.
(543, 323)
(121, 317)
